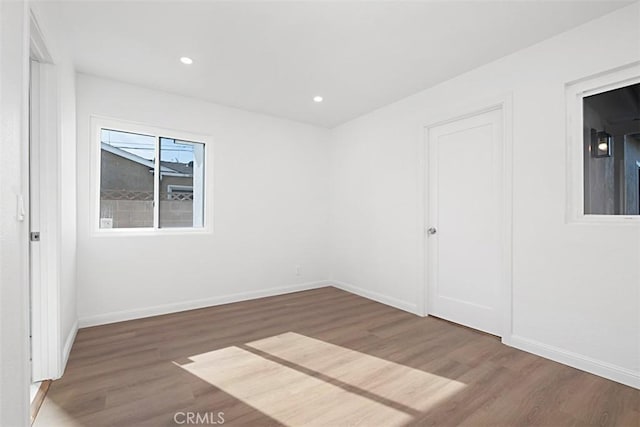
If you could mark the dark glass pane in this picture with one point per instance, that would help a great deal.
(611, 150)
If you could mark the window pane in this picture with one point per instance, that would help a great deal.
(612, 152)
(181, 183)
(126, 179)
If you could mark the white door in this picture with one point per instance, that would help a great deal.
(464, 220)
(43, 247)
(35, 260)
(46, 348)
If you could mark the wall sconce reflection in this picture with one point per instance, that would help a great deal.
(602, 145)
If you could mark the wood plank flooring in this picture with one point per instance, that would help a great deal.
(320, 358)
(36, 402)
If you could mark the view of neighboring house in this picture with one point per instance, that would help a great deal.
(127, 190)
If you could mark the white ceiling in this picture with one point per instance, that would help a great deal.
(273, 57)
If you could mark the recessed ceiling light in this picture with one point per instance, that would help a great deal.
(317, 99)
(186, 60)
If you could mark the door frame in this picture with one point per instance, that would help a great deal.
(504, 104)
(46, 351)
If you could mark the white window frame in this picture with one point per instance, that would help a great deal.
(575, 93)
(97, 124)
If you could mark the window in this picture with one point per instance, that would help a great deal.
(611, 144)
(604, 138)
(149, 178)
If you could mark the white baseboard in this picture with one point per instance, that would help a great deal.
(67, 347)
(578, 361)
(120, 316)
(375, 296)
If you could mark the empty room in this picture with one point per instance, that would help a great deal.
(319, 213)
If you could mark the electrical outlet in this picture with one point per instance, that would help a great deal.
(298, 273)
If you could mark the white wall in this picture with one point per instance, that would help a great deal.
(14, 346)
(576, 288)
(270, 211)
(64, 186)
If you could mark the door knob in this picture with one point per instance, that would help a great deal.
(432, 230)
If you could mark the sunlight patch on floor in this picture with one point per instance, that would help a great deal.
(299, 380)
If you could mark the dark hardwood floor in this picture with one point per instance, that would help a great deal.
(319, 357)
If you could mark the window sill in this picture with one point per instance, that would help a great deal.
(606, 220)
(147, 232)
